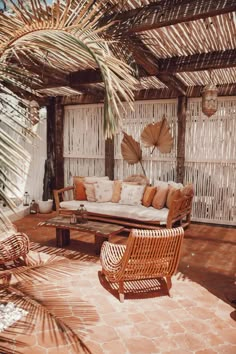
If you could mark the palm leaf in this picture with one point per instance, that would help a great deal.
(68, 29)
(131, 150)
(158, 136)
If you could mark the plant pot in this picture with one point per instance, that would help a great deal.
(45, 207)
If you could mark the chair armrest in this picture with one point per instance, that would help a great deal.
(13, 247)
(59, 196)
(180, 209)
(111, 256)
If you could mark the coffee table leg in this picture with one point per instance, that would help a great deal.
(63, 237)
(99, 239)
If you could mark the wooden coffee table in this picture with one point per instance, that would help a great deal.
(101, 230)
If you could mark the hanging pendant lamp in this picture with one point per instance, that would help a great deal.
(209, 99)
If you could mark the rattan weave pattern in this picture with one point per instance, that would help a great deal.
(149, 254)
(14, 247)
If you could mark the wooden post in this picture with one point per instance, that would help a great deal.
(181, 114)
(59, 144)
(54, 165)
(109, 158)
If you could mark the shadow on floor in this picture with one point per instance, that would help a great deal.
(142, 289)
(209, 260)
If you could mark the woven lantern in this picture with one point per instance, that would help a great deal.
(209, 99)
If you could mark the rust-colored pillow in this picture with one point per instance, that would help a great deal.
(148, 196)
(187, 190)
(173, 194)
(160, 196)
(79, 188)
(116, 191)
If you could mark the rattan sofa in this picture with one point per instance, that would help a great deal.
(131, 216)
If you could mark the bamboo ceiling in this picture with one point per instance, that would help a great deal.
(177, 45)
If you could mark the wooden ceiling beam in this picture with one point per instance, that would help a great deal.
(169, 12)
(172, 82)
(144, 57)
(89, 90)
(44, 72)
(88, 76)
(153, 94)
(197, 62)
(196, 91)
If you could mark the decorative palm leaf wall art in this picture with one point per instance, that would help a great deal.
(154, 135)
(131, 151)
(158, 136)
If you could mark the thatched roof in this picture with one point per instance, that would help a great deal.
(178, 46)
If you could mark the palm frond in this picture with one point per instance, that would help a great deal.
(66, 36)
(68, 29)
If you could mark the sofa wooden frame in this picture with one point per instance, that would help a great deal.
(179, 213)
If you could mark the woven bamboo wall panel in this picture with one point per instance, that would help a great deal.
(210, 151)
(82, 167)
(211, 161)
(161, 170)
(214, 138)
(157, 166)
(214, 184)
(84, 145)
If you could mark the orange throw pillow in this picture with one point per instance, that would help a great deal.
(148, 196)
(159, 199)
(116, 191)
(79, 189)
(173, 194)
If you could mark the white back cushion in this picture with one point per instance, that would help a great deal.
(132, 194)
(103, 191)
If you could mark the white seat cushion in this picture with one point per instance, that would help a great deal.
(135, 212)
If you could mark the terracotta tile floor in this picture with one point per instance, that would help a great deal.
(72, 309)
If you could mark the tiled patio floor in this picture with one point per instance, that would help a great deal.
(72, 309)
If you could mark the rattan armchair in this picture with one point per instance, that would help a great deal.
(13, 245)
(148, 254)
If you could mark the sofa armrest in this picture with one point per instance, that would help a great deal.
(180, 210)
(60, 195)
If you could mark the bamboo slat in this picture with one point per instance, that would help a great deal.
(84, 144)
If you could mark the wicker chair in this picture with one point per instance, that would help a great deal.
(13, 244)
(148, 254)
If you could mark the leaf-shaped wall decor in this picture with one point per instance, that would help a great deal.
(158, 135)
(130, 149)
